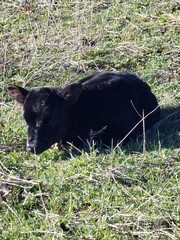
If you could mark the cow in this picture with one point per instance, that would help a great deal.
(104, 107)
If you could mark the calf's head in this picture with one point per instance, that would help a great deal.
(45, 113)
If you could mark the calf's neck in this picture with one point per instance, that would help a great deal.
(104, 107)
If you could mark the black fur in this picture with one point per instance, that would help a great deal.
(103, 106)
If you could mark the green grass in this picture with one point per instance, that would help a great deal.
(131, 192)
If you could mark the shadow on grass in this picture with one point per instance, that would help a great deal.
(169, 127)
(164, 134)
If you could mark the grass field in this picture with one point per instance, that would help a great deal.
(130, 192)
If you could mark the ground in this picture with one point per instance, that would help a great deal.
(130, 192)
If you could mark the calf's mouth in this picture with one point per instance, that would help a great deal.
(38, 148)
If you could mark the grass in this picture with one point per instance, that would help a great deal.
(131, 192)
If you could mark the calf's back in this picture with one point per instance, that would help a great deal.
(110, 105)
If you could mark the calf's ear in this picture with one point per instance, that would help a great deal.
(71, 92)
(18, 93)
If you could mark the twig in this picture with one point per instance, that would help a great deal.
(43, 203)
(135, 109)
(69, 143)
(12, 211)
(135, 127)
(144, 134)
(41, 231)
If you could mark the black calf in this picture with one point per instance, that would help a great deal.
(103, 106)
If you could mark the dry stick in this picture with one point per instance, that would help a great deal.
(16, 179)
(12, 211)
(124, 189)
(14, 184)
(135, 109)
(43, 231)
(43, 203)
(136, 126)
(69, 143)
(144, 134)
(4, 168)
